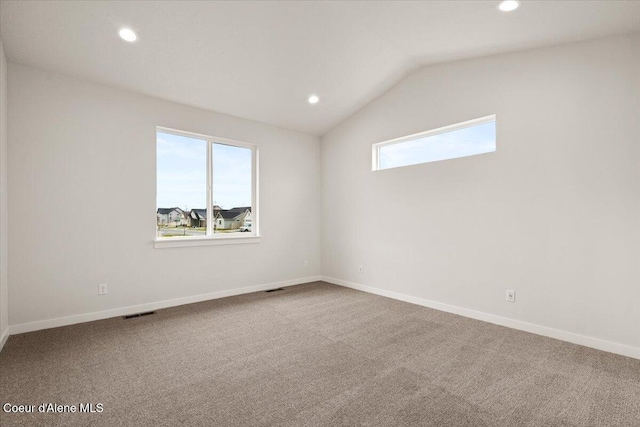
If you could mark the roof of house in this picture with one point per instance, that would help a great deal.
(233, 213)
(229, 214)
(199, 213)
(241, 209)
(165, 211)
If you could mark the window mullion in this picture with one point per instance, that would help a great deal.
(209, 187)
(254, 191)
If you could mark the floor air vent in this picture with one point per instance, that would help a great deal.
(131, 316)
(275, 290)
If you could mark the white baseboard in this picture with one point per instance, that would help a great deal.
(571, 337)
(611, 347)
(125, 311)
(3, 338)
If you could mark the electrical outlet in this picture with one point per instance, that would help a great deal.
(511, 295)
(102, 289)
(306, 263)
(360, 269)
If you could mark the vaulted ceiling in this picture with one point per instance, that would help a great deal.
(262, 60)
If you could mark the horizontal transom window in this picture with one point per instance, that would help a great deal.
(450, 142)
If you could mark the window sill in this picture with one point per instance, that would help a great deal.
(180, 242)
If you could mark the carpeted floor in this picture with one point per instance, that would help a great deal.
(313, 355)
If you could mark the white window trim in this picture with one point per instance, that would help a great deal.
(210, 238)
(375, 149)
(179, 242)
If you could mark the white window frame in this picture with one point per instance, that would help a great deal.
(210, 238)
(375, 162)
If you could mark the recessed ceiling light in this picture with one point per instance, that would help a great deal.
(313, 99)
(508, 5)
(127, 34)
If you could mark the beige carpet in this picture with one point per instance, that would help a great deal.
(313, 355)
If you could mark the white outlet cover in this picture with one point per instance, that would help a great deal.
(511, 295)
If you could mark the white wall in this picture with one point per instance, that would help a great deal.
(4, 222)
(553, 214)
(80, 152)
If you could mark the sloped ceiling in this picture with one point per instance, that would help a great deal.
(261, 60)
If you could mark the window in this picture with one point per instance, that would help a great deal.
(450, 142)
(206, 189)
